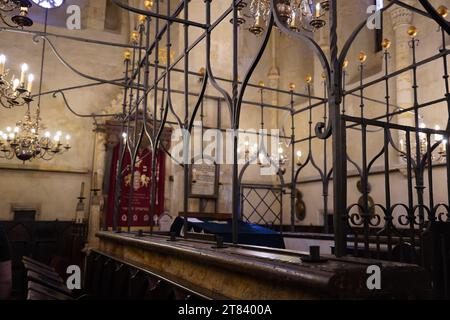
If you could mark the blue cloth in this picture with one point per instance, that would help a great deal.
(250, 234)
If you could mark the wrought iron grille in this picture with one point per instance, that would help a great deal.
(262, 205)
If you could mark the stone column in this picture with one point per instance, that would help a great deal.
(97, 203)
(94, 15)
(401, 21)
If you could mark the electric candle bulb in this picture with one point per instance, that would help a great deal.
(8, 129)
(2, 64)
(33, 130)
(438, 137)
(30, 82)
(57, 138)
(47, 134)
(318, 10)
(16, 83)
(24, 71)
(12, 135)
(68, 137)
(16, 130)
(58, 133)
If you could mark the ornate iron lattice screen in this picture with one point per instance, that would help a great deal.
(262, 205)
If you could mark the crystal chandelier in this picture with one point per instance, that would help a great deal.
(19, 11)
(25, 143)
(295, 14)
(16, 91)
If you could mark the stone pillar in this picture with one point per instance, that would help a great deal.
(97, 203)
(94, 15)
(401, 21)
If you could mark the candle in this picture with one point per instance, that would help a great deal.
(23, 73)
(30, 82)
(16, 83)
(82, 190)
(318, 10)
(2, 64)
(438, 137)
(299, 157)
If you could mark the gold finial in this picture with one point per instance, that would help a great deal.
(127, 55)
(292, 86)
(261, 84)
(386, 44)
(412, 31)
(362, 57)
(345, 64)
(134, 36)
(308, 78)
(202, 71)
(443, 11)
(148, 4)
(142, 19)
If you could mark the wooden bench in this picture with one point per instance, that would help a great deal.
(44, 283)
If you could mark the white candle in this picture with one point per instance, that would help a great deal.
(30, 82)
(2, 64)
(23, 73)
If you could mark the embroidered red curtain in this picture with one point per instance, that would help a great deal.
(140, 214)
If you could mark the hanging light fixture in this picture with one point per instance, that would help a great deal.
(259, 10)
(16, 91)
(296, 14)
(19, 10)
(240, 16)
(25, 142)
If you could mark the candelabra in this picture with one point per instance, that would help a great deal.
(16, 91)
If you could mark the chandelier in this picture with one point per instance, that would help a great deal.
(295, 14)
(16, 91)
(25, 142)
(19, 11)
(259, 150)
(437, 155)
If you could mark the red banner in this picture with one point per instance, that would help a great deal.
(140, 214)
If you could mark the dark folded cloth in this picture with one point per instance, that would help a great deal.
(250, 234)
